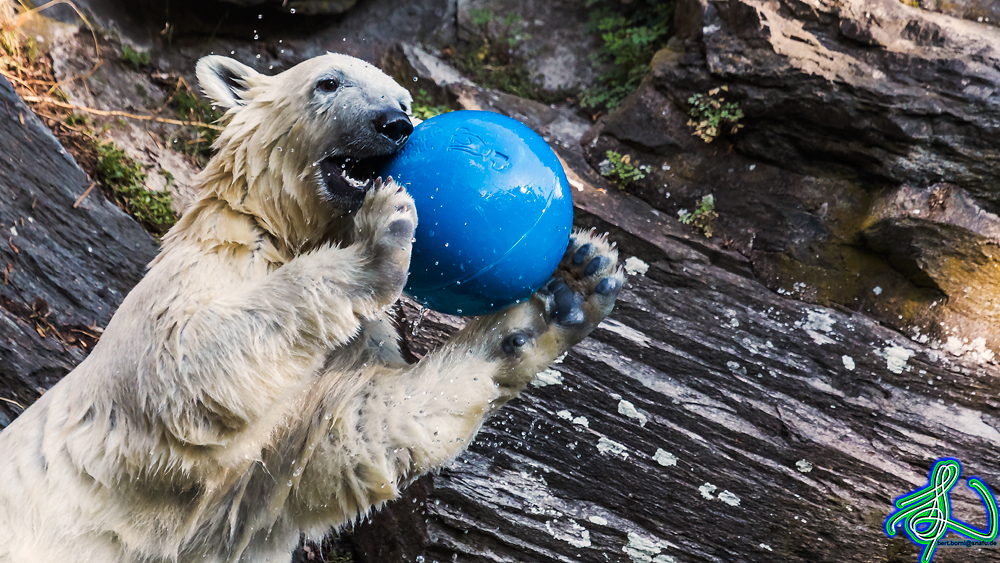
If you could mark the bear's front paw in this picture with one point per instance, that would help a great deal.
(584, 288)
(385, 225)
(577, 298)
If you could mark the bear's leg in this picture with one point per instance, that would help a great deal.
(394, 425)
(452, 390)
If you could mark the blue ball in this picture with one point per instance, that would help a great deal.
(494, 211)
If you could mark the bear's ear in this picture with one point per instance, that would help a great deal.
(224, 80)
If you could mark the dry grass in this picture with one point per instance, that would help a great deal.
(33, 79)
(32, 76)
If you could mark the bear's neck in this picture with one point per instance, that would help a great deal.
(284, 221)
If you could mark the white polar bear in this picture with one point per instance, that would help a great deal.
(250, 388)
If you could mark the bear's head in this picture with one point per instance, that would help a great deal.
(300, 148)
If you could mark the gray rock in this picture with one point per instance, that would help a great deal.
(305, 7)
(417, 69)
(555, 44)
(877, 87)
(939, 239)
(983, 11)
(715, 416)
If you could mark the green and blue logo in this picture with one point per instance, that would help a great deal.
(925, 514)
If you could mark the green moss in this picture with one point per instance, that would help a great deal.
(31, 51)
(138, 59)
(630, 34)
(125, 182)
(195, 142)
(712, 115)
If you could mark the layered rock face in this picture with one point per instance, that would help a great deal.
(715, 416)
(760, 395)
(849, 106)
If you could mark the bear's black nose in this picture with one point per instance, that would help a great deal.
(393, 124)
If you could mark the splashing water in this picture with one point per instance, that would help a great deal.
(419, 319)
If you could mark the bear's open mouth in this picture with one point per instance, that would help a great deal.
(347, 178)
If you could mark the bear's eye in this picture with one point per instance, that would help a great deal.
(327, 85)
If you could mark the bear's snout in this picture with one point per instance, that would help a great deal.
(394, 124)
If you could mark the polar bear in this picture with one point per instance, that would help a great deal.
(250, 389)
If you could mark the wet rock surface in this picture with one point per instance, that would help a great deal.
(714, 416)
(708, 419)
(761, 395)
(878, 88)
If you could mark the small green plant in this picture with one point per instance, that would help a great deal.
(125, 182)
(703, 217)
(630, 33)
(620, 169)
(423, 106)
(491, 60)
(138, 59)
(75, 119)
(167, 175)
(195, 142)
(711, 113)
